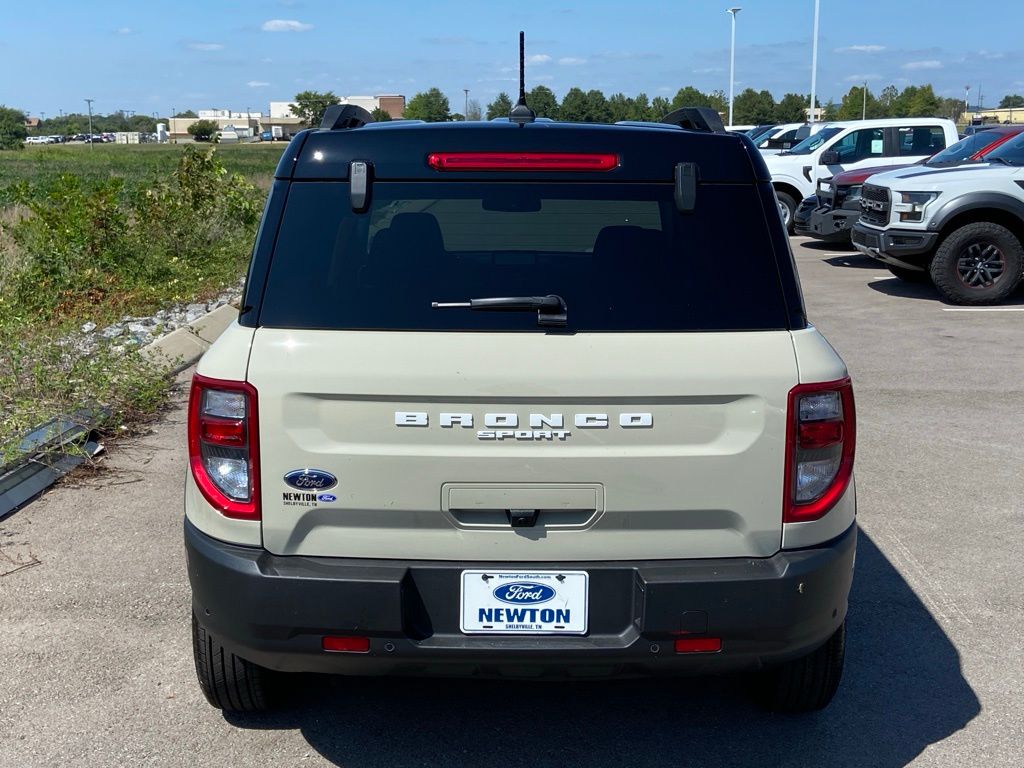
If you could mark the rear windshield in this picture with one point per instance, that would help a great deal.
(621, 256)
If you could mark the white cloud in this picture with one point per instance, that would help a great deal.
(538, 58)
(285, 25)
(571, 61)
(926, 64)
(206, 46)
(257, 84)
(861, 49)
(708, 70)
(860, 78)
(124, 30)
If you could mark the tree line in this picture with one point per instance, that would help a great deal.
(749, 107)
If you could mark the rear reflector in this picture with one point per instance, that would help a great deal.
(522, 161)
(346, 644)
(698, 644)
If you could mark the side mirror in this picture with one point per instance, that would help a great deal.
(831, 157)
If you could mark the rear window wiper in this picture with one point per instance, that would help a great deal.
(551, 309)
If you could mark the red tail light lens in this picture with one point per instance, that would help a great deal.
(522, 161)
(820, 446)
(223, 445)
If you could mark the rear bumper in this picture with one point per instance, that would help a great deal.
(274, 611)
(901, 247)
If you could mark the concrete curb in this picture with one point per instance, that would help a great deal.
(181, 348)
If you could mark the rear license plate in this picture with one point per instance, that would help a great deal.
(532, 603)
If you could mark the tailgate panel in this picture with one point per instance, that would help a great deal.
(700, 477)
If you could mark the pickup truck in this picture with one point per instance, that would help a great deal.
(846, 146)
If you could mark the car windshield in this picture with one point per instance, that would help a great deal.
(759, 132)
(1011, 153)
(812, 143)
(621, 256)
(963, 149)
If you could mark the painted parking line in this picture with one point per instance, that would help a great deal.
(983, 309)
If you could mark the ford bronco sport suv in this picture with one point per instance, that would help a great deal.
(961, 227)
(521, 398)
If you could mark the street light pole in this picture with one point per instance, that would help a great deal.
(89, 102)
(732, 58)
(465, 111)
(864, 108)
(814, 61)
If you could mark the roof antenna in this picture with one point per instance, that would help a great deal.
(522, 114)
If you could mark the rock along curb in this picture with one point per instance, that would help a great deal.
(181, 348)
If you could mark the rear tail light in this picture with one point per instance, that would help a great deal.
(820, 443)
(223, 444)
(522, 161)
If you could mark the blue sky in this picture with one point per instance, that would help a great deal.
(151, 56)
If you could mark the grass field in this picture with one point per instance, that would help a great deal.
(137, 164)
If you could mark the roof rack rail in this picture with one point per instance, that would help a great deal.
(696, 119)
(339, 117)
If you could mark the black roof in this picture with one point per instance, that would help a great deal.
(398, 150)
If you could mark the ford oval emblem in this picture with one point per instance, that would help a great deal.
(326, 498)
(310, 479)
(523, 593)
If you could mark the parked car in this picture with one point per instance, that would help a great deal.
(846, 146)
(785, 136)
(485, 407)
(837, 204)
(959, 227)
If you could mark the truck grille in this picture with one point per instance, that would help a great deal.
(875, 205)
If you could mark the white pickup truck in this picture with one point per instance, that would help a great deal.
(846, 146)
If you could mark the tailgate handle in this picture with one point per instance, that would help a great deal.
(522, 518)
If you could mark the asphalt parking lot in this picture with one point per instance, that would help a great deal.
(96, 662)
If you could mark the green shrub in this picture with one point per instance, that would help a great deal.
(89, 249)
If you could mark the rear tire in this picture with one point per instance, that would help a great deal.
(228, 681)
(806, 684)
(910, 275)
(787, 209)
(979, 263)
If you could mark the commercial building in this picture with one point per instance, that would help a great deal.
(1008, 116)
(250, 124)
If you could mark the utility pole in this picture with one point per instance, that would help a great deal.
(732, 59)
(89, 102)
(814, 60)
(864, 108)
(465, 111)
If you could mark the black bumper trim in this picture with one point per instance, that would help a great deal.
(832, 224)
(275, 610)
(897, 243)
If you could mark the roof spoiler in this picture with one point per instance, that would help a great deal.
(702, 119)
(339, 117)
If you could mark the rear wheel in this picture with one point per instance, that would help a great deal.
(806, 684)
(910, 275)
(979, 263)
(228, 682)
(787, 208)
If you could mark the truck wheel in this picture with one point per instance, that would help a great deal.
(910, 275)
(979, 263)
(787, 208)
(228, 682)
(806, 684)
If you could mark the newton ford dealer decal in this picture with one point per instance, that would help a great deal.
(309, 484)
